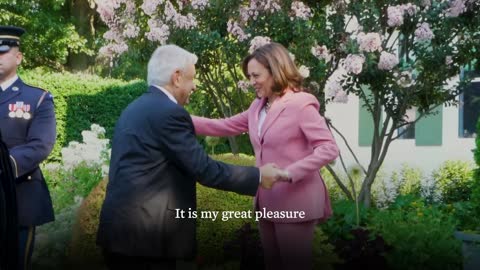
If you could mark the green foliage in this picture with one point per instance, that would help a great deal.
(81, 100)
(66, 187)
(344, 219)
(53, 239)
(410, 179)
(454, 179)
(421, 235)
(212, 235)
(466, 213)
(50, 33)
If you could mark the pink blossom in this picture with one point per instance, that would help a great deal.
(258, 42)
(387, 61)
(179, 20)
(243, 85)
(150, 6)
(456, 7)
(113, 49)
(354, 63)
(158, 32)
(131, 31)
(244, 14)
(106, 9)
(236, 31)
(257, 6)
(369, 42)
(321, 52)
(395, 16)
(423, 32)
(301, 11)
(410, 9)
(199, 4)
(341, 97)
(113, 35)
(332, 87)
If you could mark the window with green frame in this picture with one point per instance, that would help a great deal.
(469, 105)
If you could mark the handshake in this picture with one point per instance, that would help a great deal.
(270, 174)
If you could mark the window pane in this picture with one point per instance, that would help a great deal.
(470, 109)
(409, 132)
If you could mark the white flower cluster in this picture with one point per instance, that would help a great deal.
(395, 13)
(301, 11)
(423, 32)
(258, 42)
(387, 61)
(404, 79)
(430, 190)
(304, 71)
(369, 42)
(237, 31)
(386, 191)
(321, 53)
(93, 151)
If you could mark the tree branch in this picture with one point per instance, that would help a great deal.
(329, 123)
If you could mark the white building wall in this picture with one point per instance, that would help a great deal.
(345, 117)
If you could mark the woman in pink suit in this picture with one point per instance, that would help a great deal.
(285, 128)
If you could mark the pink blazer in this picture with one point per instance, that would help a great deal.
(295, 137)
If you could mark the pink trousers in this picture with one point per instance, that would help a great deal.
(287, 246)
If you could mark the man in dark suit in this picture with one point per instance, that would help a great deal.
(155, 163)
(27, 124)
(8, 212)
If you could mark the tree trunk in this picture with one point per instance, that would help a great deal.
(233, 145)
(83, 13)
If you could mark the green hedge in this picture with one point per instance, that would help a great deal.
(81, 100)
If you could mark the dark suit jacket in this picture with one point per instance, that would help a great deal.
(154, 166)
(30, 140)
(8, 212)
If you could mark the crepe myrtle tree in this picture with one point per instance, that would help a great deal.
(393, 55)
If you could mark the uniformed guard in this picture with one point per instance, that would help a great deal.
(27, 124)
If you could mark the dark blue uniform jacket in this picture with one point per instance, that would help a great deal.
(27, 123)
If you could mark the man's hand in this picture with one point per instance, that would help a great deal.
(270, 174)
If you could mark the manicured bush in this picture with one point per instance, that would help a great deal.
(81, 100)
(421, 235)
(454, 180)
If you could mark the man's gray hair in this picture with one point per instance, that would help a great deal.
(165, 60)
